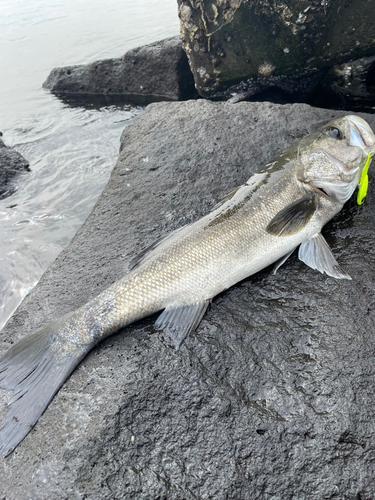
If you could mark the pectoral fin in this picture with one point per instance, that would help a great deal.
(294, 217)
(316, 253)
(180, 321)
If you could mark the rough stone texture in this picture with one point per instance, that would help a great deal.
(272, 397)
(264, 43)
(159, 71)
(11, 163)
(348, 86)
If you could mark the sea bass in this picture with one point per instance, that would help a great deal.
(281, 207)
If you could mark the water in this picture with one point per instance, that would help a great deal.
(71, 150)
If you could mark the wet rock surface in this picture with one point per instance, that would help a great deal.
(348, 86)
(272, 397)
(263, 44)
(158, 71)
(11, 164)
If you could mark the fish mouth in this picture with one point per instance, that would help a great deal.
(361, 135)
(338, 191)
(344, 169)
(356, 138)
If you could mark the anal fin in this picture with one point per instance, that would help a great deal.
(181, 321)
(316, 253)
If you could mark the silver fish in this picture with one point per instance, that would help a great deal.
(283, 206)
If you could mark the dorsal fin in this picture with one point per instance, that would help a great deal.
(239, 193)
(138, 259)
(226, 198)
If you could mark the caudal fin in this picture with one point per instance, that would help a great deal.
(34, 369)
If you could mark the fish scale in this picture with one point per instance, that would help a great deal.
(283, 206)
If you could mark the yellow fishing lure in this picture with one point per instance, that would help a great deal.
(363, 183)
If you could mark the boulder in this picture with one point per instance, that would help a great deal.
(11, 163)
(272, 397)
(262, 44)
(159, 71)
(348, 86)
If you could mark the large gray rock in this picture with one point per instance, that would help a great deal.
(159, 71)
(262, 43)
(272, 397)
(11, 163)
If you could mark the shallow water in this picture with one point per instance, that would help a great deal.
(71, 150)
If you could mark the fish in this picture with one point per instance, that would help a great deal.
(283, 206)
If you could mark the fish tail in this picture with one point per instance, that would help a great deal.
(34, 369)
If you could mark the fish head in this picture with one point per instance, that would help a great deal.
(332, 159)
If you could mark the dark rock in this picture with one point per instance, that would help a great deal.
(11, 163)
(348, 86)
(159, 71)
(299, 87)
(257, 41)
(272, 397)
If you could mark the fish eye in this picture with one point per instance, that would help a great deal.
(334, 132)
